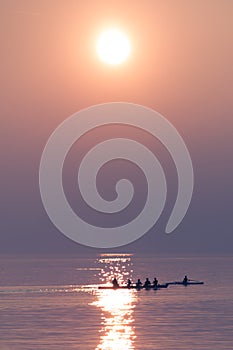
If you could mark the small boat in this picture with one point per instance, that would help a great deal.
(159, 286)
(188, 283)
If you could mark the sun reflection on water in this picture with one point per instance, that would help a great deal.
(112, 265)
(117, 306)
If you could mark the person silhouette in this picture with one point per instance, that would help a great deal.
(138, 283)
(155, 282)
(115, 283)
(147, 283)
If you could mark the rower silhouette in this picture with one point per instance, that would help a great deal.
(115, 283)
(155, 282)
(138, 283)
(147, 283)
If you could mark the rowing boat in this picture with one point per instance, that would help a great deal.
(188, 283)
(159, 286)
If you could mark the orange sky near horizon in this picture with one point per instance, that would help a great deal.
(177, 48)
(180, 65)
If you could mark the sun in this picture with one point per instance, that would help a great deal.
(113, 47)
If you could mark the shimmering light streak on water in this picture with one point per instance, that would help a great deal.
(117, 329)
(55, 304)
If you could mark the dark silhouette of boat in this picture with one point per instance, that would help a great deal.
(159, 286)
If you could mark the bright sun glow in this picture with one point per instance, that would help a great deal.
(113, 47)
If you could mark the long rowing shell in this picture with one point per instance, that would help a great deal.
(165, 285)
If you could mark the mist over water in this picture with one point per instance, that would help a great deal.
(54, 303)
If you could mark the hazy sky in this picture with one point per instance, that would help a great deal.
(180, 65)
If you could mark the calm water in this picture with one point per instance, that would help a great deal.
(54, 303)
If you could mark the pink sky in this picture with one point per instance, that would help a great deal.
(181, 66)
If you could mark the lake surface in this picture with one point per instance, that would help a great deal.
(54, 303)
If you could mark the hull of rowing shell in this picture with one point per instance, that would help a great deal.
(186, 284)
(160, 286)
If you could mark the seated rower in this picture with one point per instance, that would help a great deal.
(129, 283)
(155, 282)
(147, 283)
(138, 283)
(115, 283)
(185, 280)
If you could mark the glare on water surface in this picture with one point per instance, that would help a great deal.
(112, 265)
(117, 306)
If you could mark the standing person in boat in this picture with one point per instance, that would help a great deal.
(185, 280)
(155, 282)
(138, 283)
(147, 283)
(115, 283)
(129, 283)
